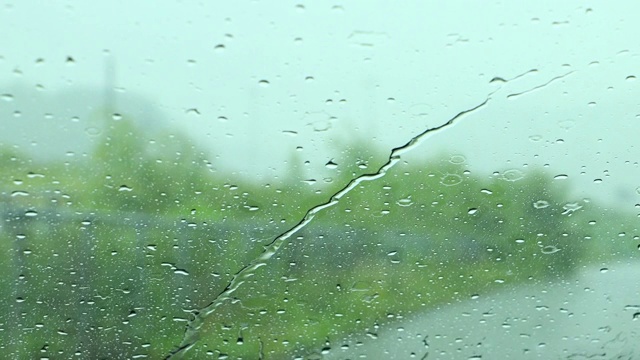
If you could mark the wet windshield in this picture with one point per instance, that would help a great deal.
(319, 181)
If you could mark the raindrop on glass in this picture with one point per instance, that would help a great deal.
(541, 204)
(405, 202)
(451, 180)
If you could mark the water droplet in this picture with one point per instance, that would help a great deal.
(512, 175)
(631, 78)
(116, 117)
(486, 191)
(567, 123)
(451, 180)
(405, 202)
(549, 249)
(570, 208)
(420, 110)
(264, 83)
(181, 272)
(220, 48)
(7, 97)
(124, 188)
(367, 38)
(541, 204)
(604, 270)
(19, 193)
(332, 165)
(320, 120)
(457, 159)
(472, 211)
(561, 177)
(30, 213)
(92, 131)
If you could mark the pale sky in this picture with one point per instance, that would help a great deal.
(272, 78)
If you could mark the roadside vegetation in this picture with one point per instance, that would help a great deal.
(108, 255)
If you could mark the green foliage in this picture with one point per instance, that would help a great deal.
(110, 256)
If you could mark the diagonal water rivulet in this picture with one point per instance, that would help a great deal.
(192, 331)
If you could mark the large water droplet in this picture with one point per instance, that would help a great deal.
(457, 159)
(569, 208)
(451, 180)
(540, 204)
(549, 249)
(566, 123)
(420, 110)
(331, 165)
(92, 131)
(512, 175)
(405, 201)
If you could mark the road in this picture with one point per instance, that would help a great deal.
(594, 315)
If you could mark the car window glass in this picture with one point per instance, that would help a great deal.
(319, 180)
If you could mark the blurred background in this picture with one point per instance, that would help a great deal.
(155, 159)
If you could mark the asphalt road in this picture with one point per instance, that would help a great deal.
(594, 315)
